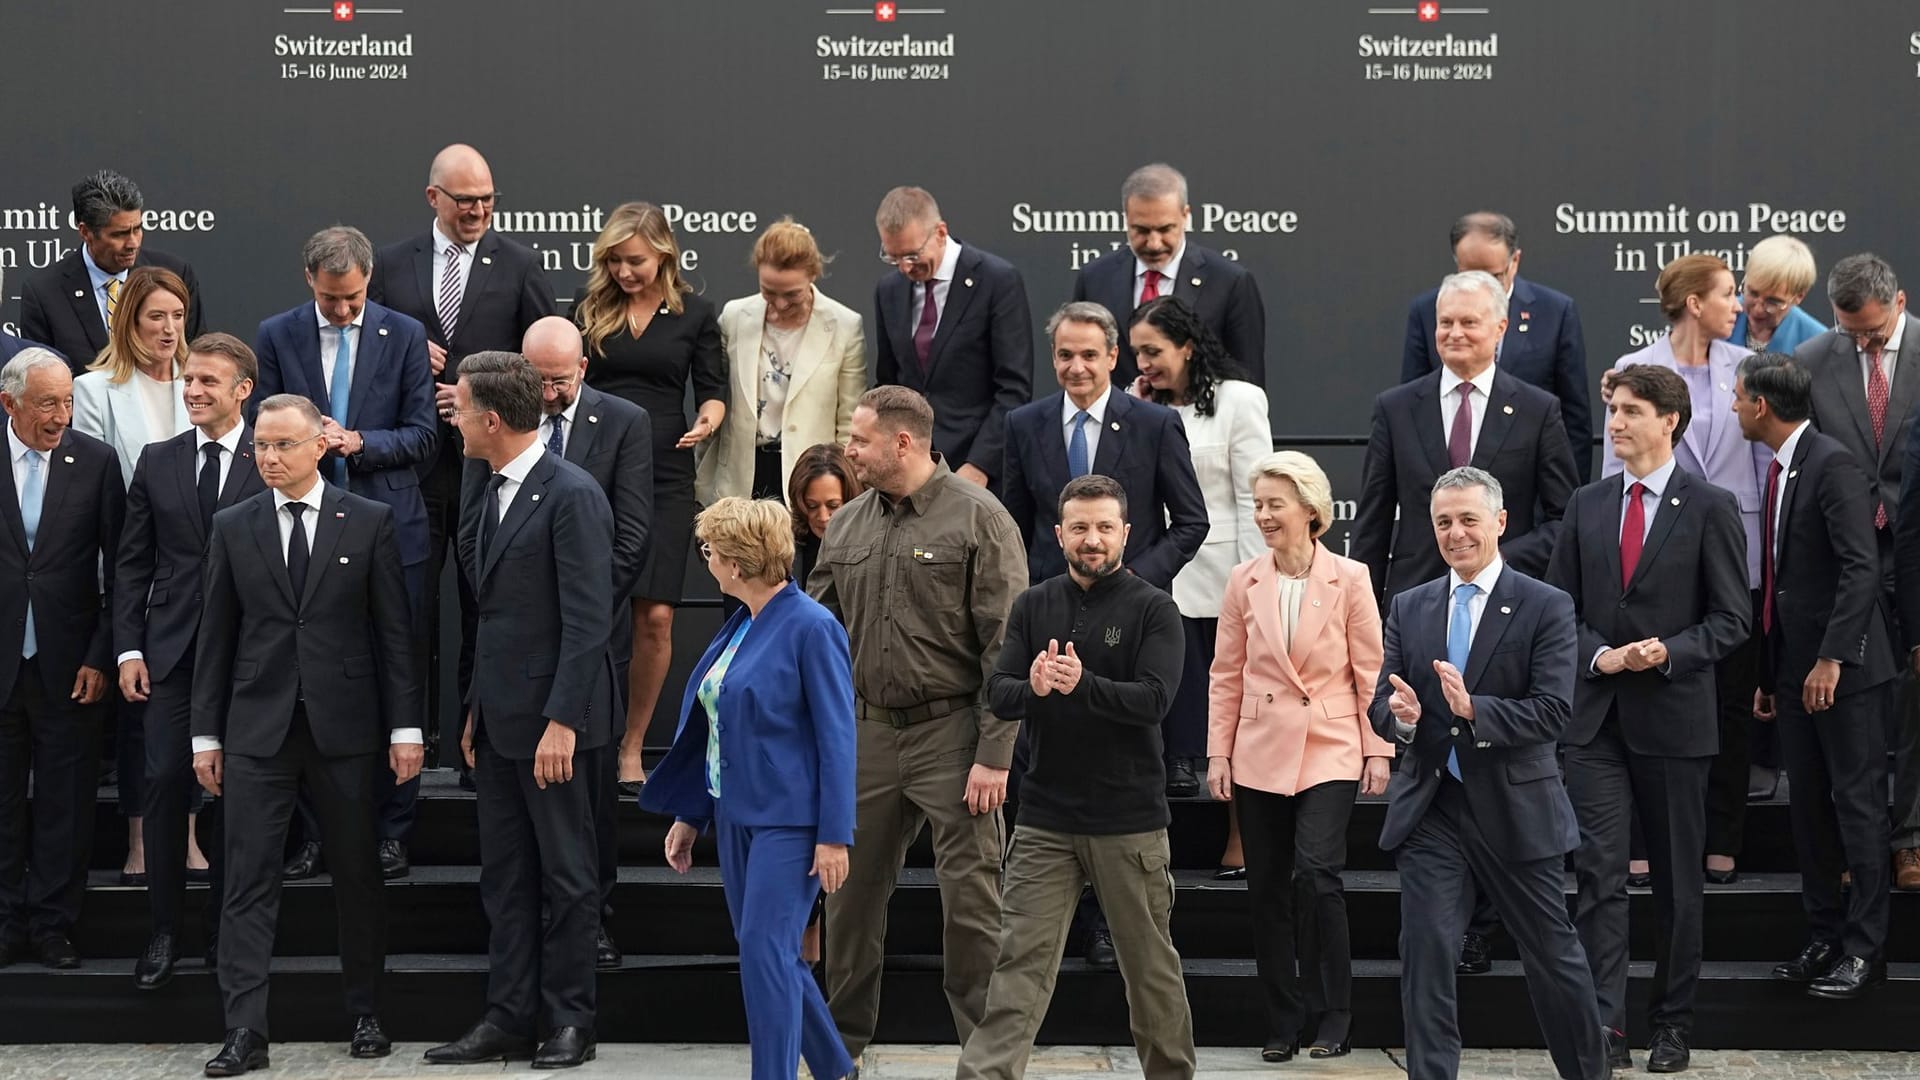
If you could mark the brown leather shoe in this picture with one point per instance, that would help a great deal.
(1906, 870)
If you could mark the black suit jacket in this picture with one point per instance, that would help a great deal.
(57, 305)
(1520, 673)
(81, 509)
(1906, 542)
(1689, 589)
(1543, 346)
(1840, 410)
(1827, 595)
(980, 366)
(612, 440)
(541, 589)
(1523, 443)
(344, 646)
(1144, 447)
(1222, 292)
(157, 586)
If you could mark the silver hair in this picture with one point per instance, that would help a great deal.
(104, 194)
(337, 250)
(906, 205)
(1477, 281)
(1466, 476)
(1857, 279)
(13, 377)
(1155, 181)
(1085, 311)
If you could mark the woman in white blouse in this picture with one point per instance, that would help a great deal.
(129, 397)
(1184, 366)
(798, 362)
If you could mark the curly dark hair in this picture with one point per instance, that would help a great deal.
(1207, 367)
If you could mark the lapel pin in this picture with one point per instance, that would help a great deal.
(536, 497)
(1505, 610)
(1525, 315)
(339, 513)
(593, 419)
(343, 560)
(383, 331)
(78, 293)
(486, 260)
(1116, 427)
(969, 283)
(1676, 500)
(1524, 325)
(1316, 603)
(1790, 475)
(1508, 409)
(1481, 745)
(1723, 386)
(1196, 283)
(68, 458)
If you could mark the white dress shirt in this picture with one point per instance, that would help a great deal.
(330, 347)
(942, 285)
(440, 261)
(1097, 417)
(516, 473)
(229, 445)
(1784, 456)
(566, 430)
(1450, 402)
(1485, 580)
(1166, 277)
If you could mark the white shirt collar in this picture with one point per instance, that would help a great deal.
(571, 408)
(1140, 268)
(1784, 455)
(230, 442)
(311, 498)
(1482, 382)
(522, 464)
(1899, 331)
(1656, 481)
(17, 448)
(325, 325)
(949, 261)
(1485, 580)
(441, 240)
(1097, 411)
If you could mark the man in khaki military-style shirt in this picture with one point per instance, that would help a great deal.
(922, 569)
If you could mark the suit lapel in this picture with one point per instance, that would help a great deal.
(586, 426)
(1426, 422)
(1672, 504)
(752, 321)
(896, 302)
(1845, 371)
(1113, 439)
(129, 416)
(1053, 445)
(1614, 491)
(1789, 490)
(1323, 584)
(273, 556)
(326, 538)
(1188, 279)
(525, 502)
(1494, 620)
(307, 326)
(479, 271)
(1904, 391)
(1498, 422)
(60, 465)
(10, 502)
(1514, 343)
(812, 357)
(85, 307)
(243, 476)
(185, 470)
(959, 297)
(1263, 593)
(373, 350)
(423, 256)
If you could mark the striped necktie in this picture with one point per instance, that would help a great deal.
(451, 286)
(113, 300)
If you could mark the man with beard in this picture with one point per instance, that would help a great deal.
(1090, 661)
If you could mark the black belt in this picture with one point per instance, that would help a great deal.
(912, 714)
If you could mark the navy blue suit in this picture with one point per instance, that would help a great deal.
(1507, 822)
(1219, 290)
(785, 724)
(1543, 346)
(1144, 447)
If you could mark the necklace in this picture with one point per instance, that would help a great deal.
(1284, 572)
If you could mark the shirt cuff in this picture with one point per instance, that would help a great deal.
(204, 743)
(406, 735)
(1404, 732)
(1593, 665)
(130, 654)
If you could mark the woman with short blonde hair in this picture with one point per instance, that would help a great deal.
(1780, 271)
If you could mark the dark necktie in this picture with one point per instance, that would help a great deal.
(209, 482)
(1150, 286)
(1877, 394)
(923, 334)
(1766, 547)
(1460, 439)
(556, 440)
(490, 515)
(1633, 530)
(297, 552)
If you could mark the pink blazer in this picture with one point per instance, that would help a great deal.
(1290, 719)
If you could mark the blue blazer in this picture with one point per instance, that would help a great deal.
(1520, 672)
(786, 727)
(9, 345)
(390, 404)
(1795, 330)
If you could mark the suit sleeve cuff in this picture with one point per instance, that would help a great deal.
(130, 654)
(1404, 732)
(204, 743)
(406, 735)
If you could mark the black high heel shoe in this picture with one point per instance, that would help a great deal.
(1278, 1051)
(1331, 1050)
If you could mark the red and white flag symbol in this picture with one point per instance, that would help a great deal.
(1428, 10)
(885, 11)
(343, 11)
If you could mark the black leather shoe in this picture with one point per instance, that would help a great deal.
(1849, 977)
(244, 1051)
(1100, 954)
(305, 862)
(393, 859)
(606, 955)
(1640, 881)
(1181, 782)
(1762, 783)
(1813, 962)
(1619, 1056)
(1723, 877)
(57, 952)
(565, 1048)
(1278, 1050)
(482, 1042)
(1667, 1051)
(1476, 955)
(133, 881)
(154, 969)
(199, 875)
(368, 1040)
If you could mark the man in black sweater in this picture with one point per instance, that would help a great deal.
(1090, 661)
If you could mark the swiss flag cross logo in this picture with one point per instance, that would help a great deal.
(1428, 10)
(343, 11)
(885, 11)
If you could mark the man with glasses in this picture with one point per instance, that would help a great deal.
(953, 325)
(1864, 395)
(1543, 344)
(473, 290)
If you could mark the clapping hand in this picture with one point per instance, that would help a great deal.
(1054, 670)
(1404, 704)
(1454, 688)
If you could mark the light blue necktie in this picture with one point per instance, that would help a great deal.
(32, 493)
(337, 395)
(1077, 446)
(1459, 644)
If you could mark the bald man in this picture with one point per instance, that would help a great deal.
(474, 290)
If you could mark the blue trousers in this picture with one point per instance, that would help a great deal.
(769, 894)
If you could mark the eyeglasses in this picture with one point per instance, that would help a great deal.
(706, 550)
(1870, 340)
(283, 446)
(561, 384)
(912, 260)
(458, 413)
(1772, 305)
(467, 202)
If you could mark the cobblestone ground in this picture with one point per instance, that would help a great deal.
(322, 1061)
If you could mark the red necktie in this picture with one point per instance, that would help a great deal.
(923, 334)
(1151, 289)
(1633, 530)
(1460, 439)
(1877, 394)
(1766, 548)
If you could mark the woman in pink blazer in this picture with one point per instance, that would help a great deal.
(1295, 663)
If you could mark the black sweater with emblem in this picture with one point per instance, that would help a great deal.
(1096, 764)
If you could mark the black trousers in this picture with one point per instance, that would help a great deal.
(440, 489)
(1606, 782)
(536, 844)
(1735, 677)
(171, 791)
(600, 770)
(263, 791)
(1296, 849)
(129, 748)
(1183, 731)
(43, 855)
(1836, 778)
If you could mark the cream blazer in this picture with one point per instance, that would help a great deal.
(1224, 447)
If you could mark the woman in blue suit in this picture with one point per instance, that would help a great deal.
(1780, 271)
(765, 751)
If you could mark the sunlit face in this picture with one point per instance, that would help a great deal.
(1162, 362)
(159, 325)
(1767, 306)
(1285, 521)
(476, 425)
(340, 297)
(1467, 530)
(115, 245)
(634, 264)
(43, 410)
(213, 390)
(873, 451)
(1746, 409)
(1155, 229)
(1093, 534)
(1637, 431)
(1873, 325)
(469, 182)
(1467, 331)
(1478, 251)
(290, 470)
(915, 250)
(788, 293)
(1718, 307)
(822, 498)
(1082, 360)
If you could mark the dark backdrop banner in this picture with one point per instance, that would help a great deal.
(1329, 143)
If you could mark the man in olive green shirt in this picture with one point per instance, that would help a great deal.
(922, 568)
